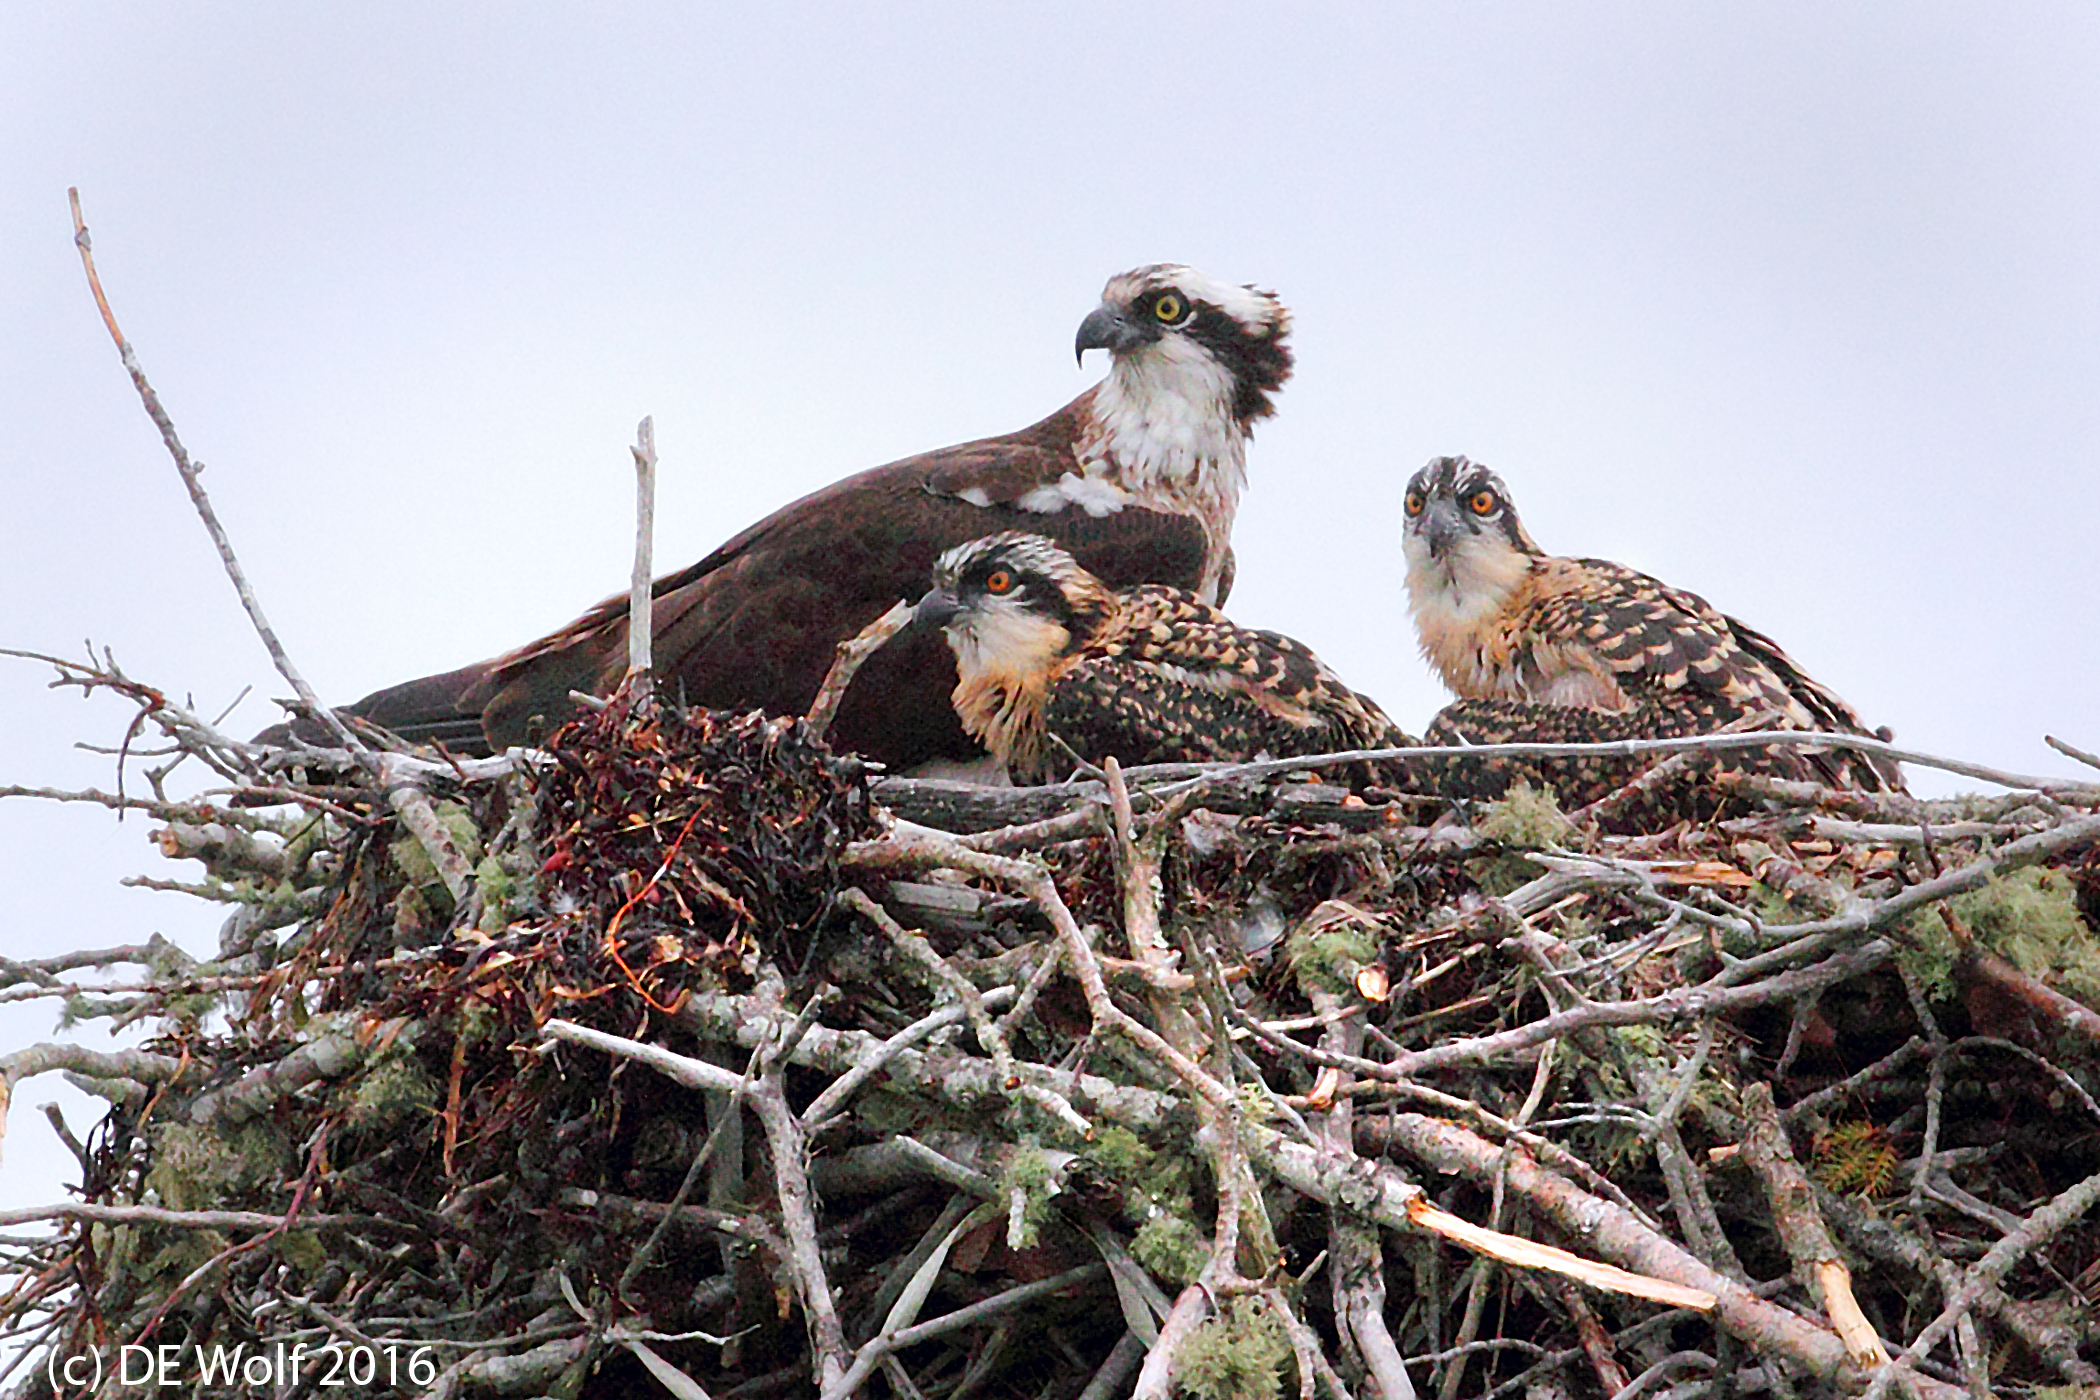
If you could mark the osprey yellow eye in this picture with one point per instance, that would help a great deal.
(1482, 503)
(1167, 308)
(1414, 503)
(999, 581)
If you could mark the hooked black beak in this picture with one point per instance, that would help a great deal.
(935, 611)
(1441, 527)
(1106, 328)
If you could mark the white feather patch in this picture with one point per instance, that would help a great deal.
(1091, 494)
(995, 640)
(1166, 416)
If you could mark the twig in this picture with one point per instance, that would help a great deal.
(928, 850)
(2062, 1012)
(1656, 778)
(961, 1081)
(834, 1097)
(1817, 1262)
(413, 807)
(1603, 1227)
(192, 480)
(1631, 748)
(193, 1219)
(2043, 1225)
(1191, 1308)
(789, 1148)
(2054, 1335)
(694, 1074)
(852, 652)
(1358, 1270)
(330, 1052)
(641, 680)
(170, 811)
(968, 1316)
(989, 1035)
(141, 1067)
(2089, 760)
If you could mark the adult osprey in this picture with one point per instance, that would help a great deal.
(1139, 477)
(1146, 675)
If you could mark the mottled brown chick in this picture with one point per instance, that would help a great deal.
(1577, 650)
(1146, 675)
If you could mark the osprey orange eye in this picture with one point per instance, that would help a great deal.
(999, 581)
(1414, 503)
(1168, 308)
(1482, 503)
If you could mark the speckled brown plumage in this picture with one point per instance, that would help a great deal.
(1541, 648)
(1148, 675)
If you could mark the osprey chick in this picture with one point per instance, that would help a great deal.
(1140, 477)
(1539, 647)
(1147, 675)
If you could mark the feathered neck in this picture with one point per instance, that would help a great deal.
(1162, 428)
(1165, 417)
(1455, 598)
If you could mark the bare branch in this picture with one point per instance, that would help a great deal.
(852, 653)
(192, 479)
(641, 596)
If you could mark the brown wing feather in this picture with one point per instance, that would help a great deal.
(1654, 640)
(1575, 782)
(1173, 680)
(755, 624)
(1685, 665)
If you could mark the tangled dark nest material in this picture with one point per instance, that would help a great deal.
(697, 837)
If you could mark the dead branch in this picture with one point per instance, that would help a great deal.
(1817, 1261)
(641, 597)
(192, 474)
(854, 651)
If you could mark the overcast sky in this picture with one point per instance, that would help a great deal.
(1793, 305)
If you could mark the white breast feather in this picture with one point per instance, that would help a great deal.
(996, 641)
(1166, 416)
(1164, 430)
(1453, 599)
(1461, 590)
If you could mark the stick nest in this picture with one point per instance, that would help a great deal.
(715, 1066)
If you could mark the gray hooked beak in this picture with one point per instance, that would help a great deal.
(1106, 328)
(1441, 526)
(935, 611)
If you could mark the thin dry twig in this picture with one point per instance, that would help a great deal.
(852, 654)
(641, 598)
(192, 479)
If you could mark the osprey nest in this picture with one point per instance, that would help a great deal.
(682, 1057)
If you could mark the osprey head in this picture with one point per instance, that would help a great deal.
(1166, 317)
(1466, 549)
(1454, 505)
(1012, 604)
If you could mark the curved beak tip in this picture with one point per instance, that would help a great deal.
(1103, 329)
(934, 611)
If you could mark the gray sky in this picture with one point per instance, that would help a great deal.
(1794, 305)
